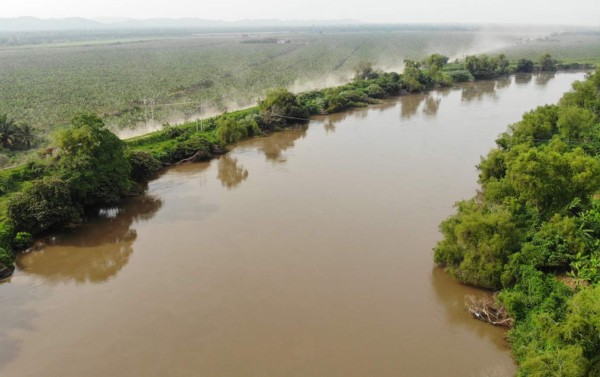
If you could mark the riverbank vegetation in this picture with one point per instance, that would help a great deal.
(533, 232)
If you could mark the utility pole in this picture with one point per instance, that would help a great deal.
(199, 120)
(146, 112)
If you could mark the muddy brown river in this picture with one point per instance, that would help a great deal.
(304, 253)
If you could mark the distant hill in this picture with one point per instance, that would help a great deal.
(37, 24)
(53, 24)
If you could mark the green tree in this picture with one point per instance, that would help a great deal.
(26, 135)
(525, 65)
(437, 61)
(92, 161)
(547, 63)
(8, 131)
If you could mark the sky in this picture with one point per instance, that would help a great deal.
(572, 12)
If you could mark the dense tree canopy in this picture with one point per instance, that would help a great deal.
(93, 162)
(535, 221)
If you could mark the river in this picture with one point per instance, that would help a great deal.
(304, 253)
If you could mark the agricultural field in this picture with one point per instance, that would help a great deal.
(567, 47)
(137, 82)
(45, 85)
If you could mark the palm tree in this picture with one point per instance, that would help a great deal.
(8, 130)
(26, 135)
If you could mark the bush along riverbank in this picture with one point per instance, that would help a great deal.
(88, 167)
(533, 233)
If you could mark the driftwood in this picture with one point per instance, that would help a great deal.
(488, 310)
(200, 155)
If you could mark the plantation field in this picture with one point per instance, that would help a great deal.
(47, 84)
(569, 47)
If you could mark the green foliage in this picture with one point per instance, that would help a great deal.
(477, 243)
(551, 177)
(413, 78)
(486, 67)
(576, 124)
(582, 321)
(535, 291)
(143, 165)
(461, 76)
(546, 63)
(7, 233)
(435, 61)
(171, 132)
(525, 65)
(93, 162)
(229, 131)
(6, 258)
(375, 91)
(281, 107)
(561, 362)
(8, 131)
(46, 204)
(22, 241)
(585, 94)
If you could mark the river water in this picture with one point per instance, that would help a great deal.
(304, 253)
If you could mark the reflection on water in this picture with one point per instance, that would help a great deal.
(429, 103)
(410, 105)
(454, 304)
(274, 145)
(329, 126)
(479, 90)
(230, 173)
(503, 82)
(543, 78)
(523, 78)
(432, 105)
(93, 253)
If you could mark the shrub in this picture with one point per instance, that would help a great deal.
(143, 165)
(230, 131)
(375, 91)
(6, 258)
(23, 240)
(7, 233)
(44, 205)
(196, 144)
(281, 107)
(461, 76)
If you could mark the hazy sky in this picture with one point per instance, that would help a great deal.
(575, 12)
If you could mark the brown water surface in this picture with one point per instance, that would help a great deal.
(304, 253)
